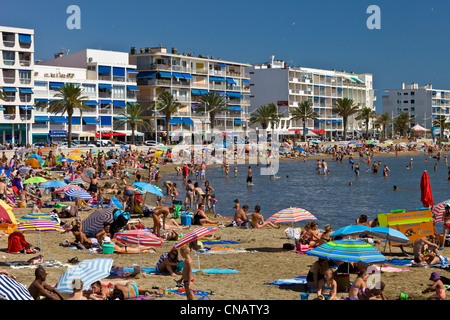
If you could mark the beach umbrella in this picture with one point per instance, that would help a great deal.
(10, 289)
(77, 181)
(35, 156)
(291, 215)
(66, 159)
(93, 224)
(193, 235)
(110, 162)
(53, 184)
(348, 250)
(438, 211)
(34, 216)
(76, 151)
(65, 188)
(38, 226)
(8, 220)
(148, 187)
(389, 142)
(389, 234)
(35, 180)
(350, 230)
(425, 190)
(78, 194)
(23, 170)
(139, 237)
(299, 149)
(75, 157)
(87, 174)
(34, 163)
(88, 271)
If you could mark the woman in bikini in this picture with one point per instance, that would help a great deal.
(446, 218)
(325, 237)
(358, 285)
(327, 287)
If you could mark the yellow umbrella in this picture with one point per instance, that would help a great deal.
(75, 157)
(8, 221)
(76, 151)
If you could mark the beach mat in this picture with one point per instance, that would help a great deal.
(288, 282)
(400, 262)
(219, 242)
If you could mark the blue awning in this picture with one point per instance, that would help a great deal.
(340, 89)
(119, 103)
(118, 72)
(146, 75)
(76, 120)
(221, 64)
(434, 92)
(105, 120)
(58, 119)
(165, 74)
(178, 75)
(25, 38)
(104, 86)
(237, 121)
(187, 76)
(230, 80)
(26, 107)
(176, 120)
(220, 79)
(203, 91)
(56, 84)
(105, 101)
(132, 88)
(104, 69)
(245, 80)
(10, 89)
(26, 90)
(91, 103)
(132, 71)
(41, 100)
(234, 94)
(90, 120)
(212, 79)
(196, 92)
(188, 121)
(41, 119)
(234, 108)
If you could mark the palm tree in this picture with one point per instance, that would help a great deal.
(366, 114)
(303, 112)
(168, 106)
(262, 115)
(345, 108)
(3, 95)
(132, 115)
(439, 121)
(71, 100)
(384, 119)
(213, 103)
(402, 122)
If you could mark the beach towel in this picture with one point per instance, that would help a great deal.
(209, 271)
(288, 282)
(400, 262)
(219, 242)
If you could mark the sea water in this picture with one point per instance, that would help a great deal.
(330, 198)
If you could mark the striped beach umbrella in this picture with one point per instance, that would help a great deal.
(77, 181)
(94, 222)
(67, 187)
(438, 211)
(23, 170)
(148, 187)
(10, 289)
(348, 250)
(291, 215)
(78, 194)
(88, 271)
(87, 174)
(34, 216)
(194, 234)
(39, 226)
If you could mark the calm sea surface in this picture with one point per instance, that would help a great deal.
(329, 198)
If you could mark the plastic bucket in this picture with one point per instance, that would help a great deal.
(108, 248)
(403, 296)
(304, 296)
(186, 219)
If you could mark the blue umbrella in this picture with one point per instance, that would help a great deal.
(350, 230)
(10, 289)
(88, 271)
(53, 184)
(299, 149)
(352, 142)
(36, 157)
(348, 250)
(148, 187)
(79, 194)
(388, 234)
(66, 159)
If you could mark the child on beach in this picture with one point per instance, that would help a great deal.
(186, 276)
(327, 287)
(358, 285)
(100, 198)
(438, 286)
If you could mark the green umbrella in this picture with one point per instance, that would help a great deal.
(35, 180)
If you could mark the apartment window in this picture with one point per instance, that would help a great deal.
(413, 109)
(405, 101)
(8, 58)
(25, 77)
(412, 93)
(413, 102)
(89, 88)
(405, 93)
(92, 68)
(119, 92)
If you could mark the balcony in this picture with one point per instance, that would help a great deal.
(218, 86)
(9, 62)
(24, 63)
(180, 83)
(9, 79)
(105, 77)
(25, 80)
(25, 98)
(105, 95)
(200, 71)
(9, 43)
(9, 116)
(10, 96)
(119, 79)
(180, 69)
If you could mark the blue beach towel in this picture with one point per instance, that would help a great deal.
(288, 282)
(219, 242)
(399, 262)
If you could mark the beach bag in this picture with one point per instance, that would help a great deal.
(292, 233)
(288, 246)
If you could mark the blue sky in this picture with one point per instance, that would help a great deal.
(411, 46)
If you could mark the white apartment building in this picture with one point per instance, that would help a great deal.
(187, 78)
(423, 103)
(108, 81)
(275, 82)
(16, 79)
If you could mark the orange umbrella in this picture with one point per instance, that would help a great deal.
(34, 163)
(8, 221)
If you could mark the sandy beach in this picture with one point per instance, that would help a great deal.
(257, 258)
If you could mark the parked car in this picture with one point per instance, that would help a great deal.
(152, 143)
(38, 144)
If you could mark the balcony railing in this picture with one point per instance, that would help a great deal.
(25, 97)
(9, 116)
(8, 62)
(104, 77)
(104, 94)
(9, 79)
(24, 63)
(25, 81)
(180, 68)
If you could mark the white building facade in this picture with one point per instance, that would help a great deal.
(423, 103)
(16, 79)
(275, 82)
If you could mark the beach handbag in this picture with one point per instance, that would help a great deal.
(288, 246)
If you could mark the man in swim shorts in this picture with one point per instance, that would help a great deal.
(240, 216)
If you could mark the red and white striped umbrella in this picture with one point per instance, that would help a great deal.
(291, 215)
(139, 237)
(438, 211)
(63, 189)
(194, 234)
